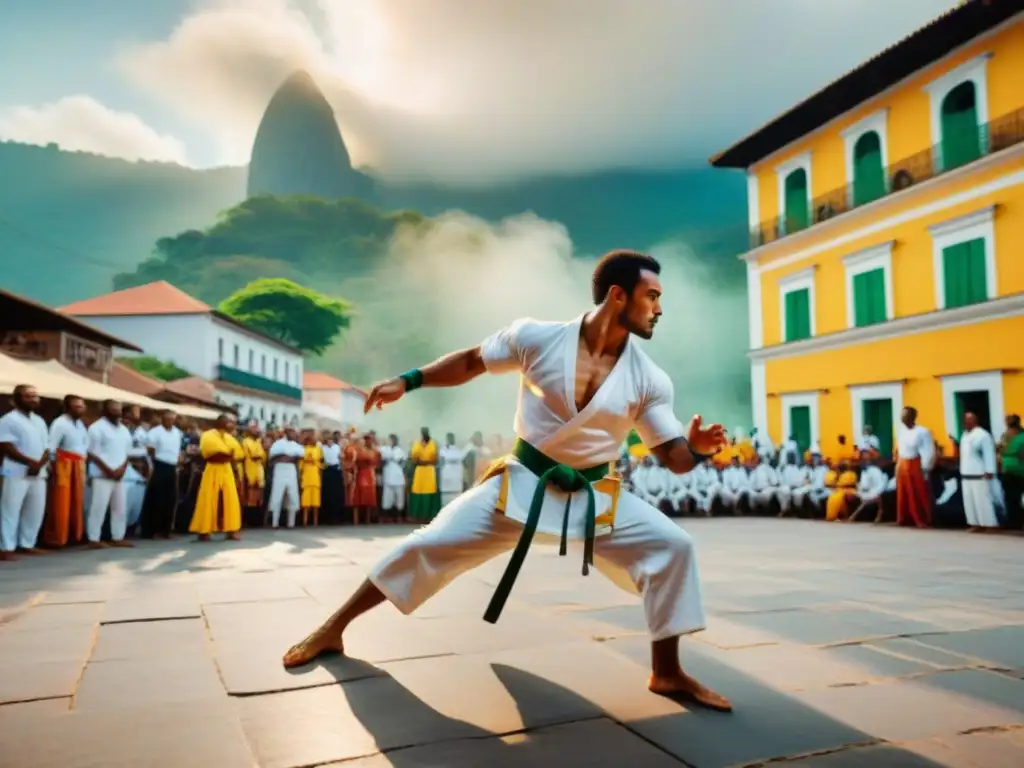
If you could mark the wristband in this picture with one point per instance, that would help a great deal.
(413, 379)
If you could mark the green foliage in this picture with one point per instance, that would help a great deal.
(296, 315)
(155, 368)
(300, 238)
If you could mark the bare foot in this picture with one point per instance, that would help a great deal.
(684, 687)
(121, 543)
(317, 644)
(232, 537)
(97, 545)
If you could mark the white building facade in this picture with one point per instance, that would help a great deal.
(255, 373)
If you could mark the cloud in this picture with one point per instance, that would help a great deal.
(80, 123)
(475, 91)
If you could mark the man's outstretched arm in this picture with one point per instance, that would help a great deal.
(452, 370)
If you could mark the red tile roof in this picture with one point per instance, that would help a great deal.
(159, 298)
(193, 386)
(127, 378)
(324, 381)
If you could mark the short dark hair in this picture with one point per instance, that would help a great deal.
(621, 268)
(1013, 421)
(69, 399)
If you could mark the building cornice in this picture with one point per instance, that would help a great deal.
(996, 309)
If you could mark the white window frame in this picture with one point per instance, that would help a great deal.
(797, 400)
(795, 282)
(970, 226)
(976, 71)
(858, 394)
(877, 122)
(868, 260)
(803, 160)
(984, 381)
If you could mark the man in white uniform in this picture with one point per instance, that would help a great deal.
(916, 457)
(392, 499)
(870, 486)
(584, 385)
(23, 443)
(869, 440)
(977, 475)
(791, 477)
(110, 443)
(163, 443)
(735, 486)
(707, 485)
(762, 443)
(283, 458)
(652, 482)
(682, 495)
(139, 469)
(452, 471)
(790, 452)
(764, 486)
(814, 490)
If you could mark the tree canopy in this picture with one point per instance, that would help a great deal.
(296, 315)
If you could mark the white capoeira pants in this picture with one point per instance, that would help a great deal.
(645, 554)
(731, 499)
(978, 506)
(107, 493)
(284, 489)
(804, 492)
(135, 492)
(392, 497)
(785, 496)
(22, 506)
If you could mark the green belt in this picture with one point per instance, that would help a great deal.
(566, 479)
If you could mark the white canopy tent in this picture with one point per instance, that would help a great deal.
(53, 380)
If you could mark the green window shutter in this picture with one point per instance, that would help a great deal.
(958, 407)
(878, 413)
(798, 315)
(961, 134)
(977, 277)
(800, 426)
(869, 298)
(868, 172)
(965, 273)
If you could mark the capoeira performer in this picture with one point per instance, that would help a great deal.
(681, 492)
(284, 457)
(584, 384)
(651, 482)
(813, 490)
(764, 486)
(707, 484)
(392, 500)
(791, 477)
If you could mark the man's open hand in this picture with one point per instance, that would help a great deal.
(706, 440)
(384, 393)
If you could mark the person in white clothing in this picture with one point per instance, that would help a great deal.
(164, 446)
(24, 442)
(707, 485)
(764, 488)
(813, 492)
(584, 384)
(64, 522)
(136, 476)
(978, 475)
(916, 457)
(791, 477)
(392, 501)
(682, 496)
(283, 459)
(652, 483)
(869, 441)
(735, 487)
(110, 444)
(870, 487)
(762, 443)
(789, 453)
(452, 471)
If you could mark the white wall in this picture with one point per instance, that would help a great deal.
(254, 354)
(180, 339)
(265, 410)
(352, 408)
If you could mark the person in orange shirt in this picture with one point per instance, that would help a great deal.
(844, 483)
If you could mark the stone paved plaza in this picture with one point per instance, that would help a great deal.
(840, 645)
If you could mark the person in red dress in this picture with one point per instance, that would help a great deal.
(367, 460)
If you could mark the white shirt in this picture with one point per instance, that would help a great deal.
(763, 478)
(637, 393)
(707, 477)
(977, 453)
(29, 437)
(393, 461)
(69, 435)
(916, 443)
(872, 481)
(816, 476)
(331, 454)
(140, 439)
(948, 491)
(110, 443)
(451, 469)
(166, 444)
(287, 448)
(869, 443)
(763, 443)
(789, 447)
(735, 478)
(793, 476)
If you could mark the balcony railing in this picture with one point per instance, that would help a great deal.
(996, 135)
(260, 383)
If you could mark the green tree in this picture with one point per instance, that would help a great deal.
(295, 314)
(155, 368)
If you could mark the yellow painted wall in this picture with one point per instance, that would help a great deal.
(909, 120)
(918, 358)
(913, 273)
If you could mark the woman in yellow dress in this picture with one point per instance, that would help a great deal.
(837, 507)
(254, 477)
(311, 466)
(424, 500)
(218, 509)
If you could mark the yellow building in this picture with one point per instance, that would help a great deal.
(887, 253)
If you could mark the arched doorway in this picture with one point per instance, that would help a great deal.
(961, 134)
(797, 202)
(868, 171)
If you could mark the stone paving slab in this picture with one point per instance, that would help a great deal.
(802, 640)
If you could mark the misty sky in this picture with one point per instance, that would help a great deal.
(446, 89)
